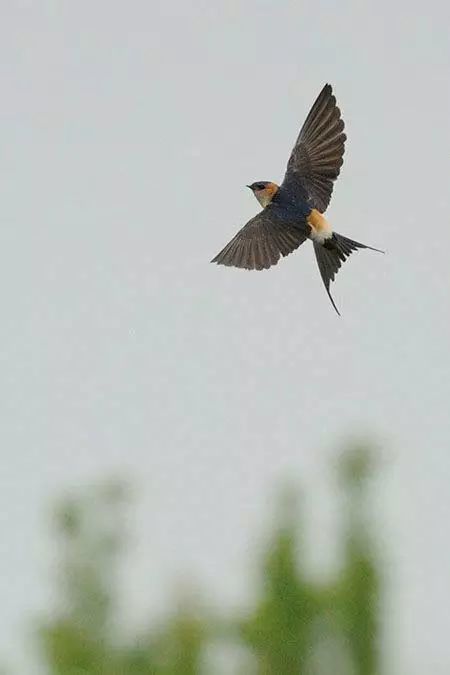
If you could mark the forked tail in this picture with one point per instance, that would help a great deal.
(331, 254)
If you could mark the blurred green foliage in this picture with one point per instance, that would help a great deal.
(296, 626)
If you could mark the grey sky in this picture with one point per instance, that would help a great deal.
(129, 131)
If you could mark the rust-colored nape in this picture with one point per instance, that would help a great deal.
(266, 195)
(271, 189)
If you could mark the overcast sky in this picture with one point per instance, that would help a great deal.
(128, 133)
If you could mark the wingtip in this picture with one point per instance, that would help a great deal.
(217, 260)
(373, 248)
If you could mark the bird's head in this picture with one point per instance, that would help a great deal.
(264, 191)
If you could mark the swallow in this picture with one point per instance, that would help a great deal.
(294, 211)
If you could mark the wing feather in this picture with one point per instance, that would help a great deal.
(317, 157)
(262, 241)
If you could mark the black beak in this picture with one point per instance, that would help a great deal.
(249, 186)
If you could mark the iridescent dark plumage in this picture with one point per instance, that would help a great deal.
(293, 211)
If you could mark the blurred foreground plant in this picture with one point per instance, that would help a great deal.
(296, 626)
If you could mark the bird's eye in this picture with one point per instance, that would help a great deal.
(260, 186)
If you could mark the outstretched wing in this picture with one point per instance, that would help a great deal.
(261, 242)
(317, 156)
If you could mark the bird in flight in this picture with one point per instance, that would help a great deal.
(293, 211)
